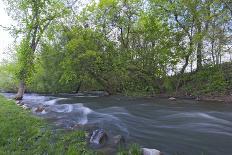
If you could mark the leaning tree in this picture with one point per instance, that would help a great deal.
(32, 19)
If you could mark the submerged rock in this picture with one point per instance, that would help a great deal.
(146, 151)
(40, 109)
(119, 140)
(98, 137)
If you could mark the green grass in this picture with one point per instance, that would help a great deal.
(134, 149)
(23, 133)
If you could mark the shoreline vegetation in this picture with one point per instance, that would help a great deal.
(210, 84)
(23, 133)
(227, 99)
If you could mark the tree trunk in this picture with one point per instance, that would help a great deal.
(199, 49)
(21, 90)
(78, 87)
(212, 51)
(199, 55)
(185, 64)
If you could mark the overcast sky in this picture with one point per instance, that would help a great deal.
(5, 38)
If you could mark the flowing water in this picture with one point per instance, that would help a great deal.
(185, 127)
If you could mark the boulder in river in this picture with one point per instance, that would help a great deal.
(40, 109)
(146, 151)
(98, 137)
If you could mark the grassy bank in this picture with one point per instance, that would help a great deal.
(211, 80)
(210, 83)
(23, 133)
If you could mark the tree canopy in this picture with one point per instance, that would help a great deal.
(120, 46)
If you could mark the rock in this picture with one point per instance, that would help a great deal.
(197, 98)
(40, 109)
(146, 151)
(20, 103)
(98, 137)
(43, 112)
(25, 107)
(118, 140)
(172, 98)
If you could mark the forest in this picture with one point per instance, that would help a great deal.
(123, 77)
(130, 47)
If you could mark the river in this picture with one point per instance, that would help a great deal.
(185, 127)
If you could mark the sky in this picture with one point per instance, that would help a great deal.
(5, 38)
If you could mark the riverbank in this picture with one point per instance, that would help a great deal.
(227, 99)
(175, 125)
(23, 133)
(215, 98)
(211, 83)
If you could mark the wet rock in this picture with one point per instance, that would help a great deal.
(172, 98)
(119, 140)
(19, 102)
(146, 151)
(25, 107)
(98, 137)
(197, 98)
(40, 109)
(43, 112)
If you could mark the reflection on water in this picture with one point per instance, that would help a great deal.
(184, 126)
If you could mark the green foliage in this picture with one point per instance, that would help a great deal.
(25, 57)
(208, 80)
(32, 19)
(8, 80)
(48, 71)
(134, 149)
(129, 47)
(22, 133)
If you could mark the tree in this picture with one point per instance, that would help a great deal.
(33, 17)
